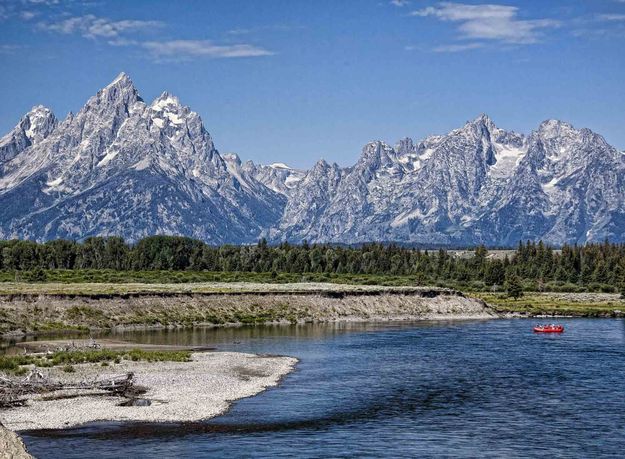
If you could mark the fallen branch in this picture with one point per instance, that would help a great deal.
(12, 392)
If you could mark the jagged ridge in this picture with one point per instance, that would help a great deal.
(123, 167)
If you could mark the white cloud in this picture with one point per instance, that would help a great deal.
(489, 22)
(179, 50)
(456, 48)
(42, 2)
(268, 28)
(27, 15)
(90, 26)
(24, 10)
(10, 49)
(611, 17)
(116, 34)
(400, 3)
(201, 48)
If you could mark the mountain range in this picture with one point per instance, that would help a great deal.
(121, 166)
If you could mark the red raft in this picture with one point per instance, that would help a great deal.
(549, 328)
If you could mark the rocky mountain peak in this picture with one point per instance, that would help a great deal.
(232, 158)
(167, 110)
(553, 128)
(116, 100)
(33, 128)
(321, 165)
(121, 81)
(376, 155)
(480, 126)
(166, 101)
(122, 167)
(405, 146)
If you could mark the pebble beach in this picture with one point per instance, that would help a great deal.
(176, 391)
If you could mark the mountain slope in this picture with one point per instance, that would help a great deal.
(34, 127)
(120, 166)
(477, 184)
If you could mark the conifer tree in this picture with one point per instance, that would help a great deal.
(513, 286)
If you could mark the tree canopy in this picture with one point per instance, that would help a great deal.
(536, 265)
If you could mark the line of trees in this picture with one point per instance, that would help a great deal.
(536, 264)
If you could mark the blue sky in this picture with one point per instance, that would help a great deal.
(294, 81)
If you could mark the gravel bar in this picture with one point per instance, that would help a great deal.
(177, 391)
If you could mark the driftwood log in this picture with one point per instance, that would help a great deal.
(14, 392)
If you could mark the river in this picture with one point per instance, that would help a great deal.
(428, 389)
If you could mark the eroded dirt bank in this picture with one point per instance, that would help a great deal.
(32, 313)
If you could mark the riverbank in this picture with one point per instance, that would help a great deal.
(37, 309)
(176, 391)
(553, 304)
(11, 445)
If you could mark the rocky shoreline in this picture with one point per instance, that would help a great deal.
(11, 445)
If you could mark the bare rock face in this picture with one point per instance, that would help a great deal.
(11, 446)
(123, 167)
(34, 127)
(477, 184)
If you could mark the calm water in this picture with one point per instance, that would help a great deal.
(426, 389)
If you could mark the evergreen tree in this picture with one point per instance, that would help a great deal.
(514, 288)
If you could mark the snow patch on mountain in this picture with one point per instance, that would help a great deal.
(120, 166)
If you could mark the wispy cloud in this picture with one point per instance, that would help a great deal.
(400, 3)
(489, 22)
(135, 33)
(268, 28)
(27, 15)
(456, 48)
(42, 2)
(611, 17)
(91, 26)
(10, 49)
(26, 10)
(180, 50)
(599, 26)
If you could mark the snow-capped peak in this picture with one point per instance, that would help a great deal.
(120, 165)
(41, 122)
(166, 101)
(482, 118)
(553, 128)
(279, 166)
(33, 128)
(167, 107)
(232, 157)
(482, 123)
(120, 80)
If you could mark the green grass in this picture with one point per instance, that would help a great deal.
(15, 363)
(178, 277)
(109, 276)
(537, 304)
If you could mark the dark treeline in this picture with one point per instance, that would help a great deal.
(601, 266)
